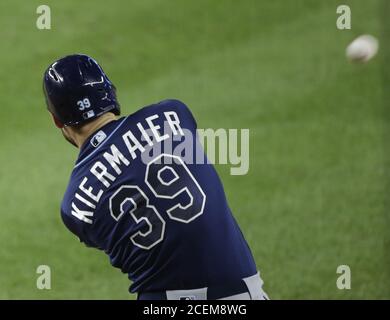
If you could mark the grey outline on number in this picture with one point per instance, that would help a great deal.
(148, 205)
(177, 193)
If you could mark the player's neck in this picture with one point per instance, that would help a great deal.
(80, 135)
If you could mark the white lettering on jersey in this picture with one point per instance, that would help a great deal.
(174, 122)
(100, 171)
(155, 128)
(132, 144)
(115, 159)
(85, 201)
(81, 214)
(88, 191)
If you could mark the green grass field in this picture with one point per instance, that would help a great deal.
(315, 195)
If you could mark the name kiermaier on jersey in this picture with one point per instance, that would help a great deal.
(114, 159)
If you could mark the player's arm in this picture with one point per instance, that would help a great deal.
(78, 229)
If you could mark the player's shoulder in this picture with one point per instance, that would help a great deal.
(167, 104)
(175, 105)
(172, 103)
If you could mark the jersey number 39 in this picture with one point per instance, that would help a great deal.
(142, 210)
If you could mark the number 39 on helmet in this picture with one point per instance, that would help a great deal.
(77, 90)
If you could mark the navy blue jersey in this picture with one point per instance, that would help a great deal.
(142, 192)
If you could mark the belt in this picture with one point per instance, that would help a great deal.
(211, 293)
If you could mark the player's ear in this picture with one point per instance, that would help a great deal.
(57, 122)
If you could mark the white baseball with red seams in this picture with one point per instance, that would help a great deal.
(362, 49)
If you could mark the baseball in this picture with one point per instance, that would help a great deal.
(362, 49)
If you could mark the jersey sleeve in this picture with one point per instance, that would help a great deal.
(78, 229)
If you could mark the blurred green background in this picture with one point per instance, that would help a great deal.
(314, 197)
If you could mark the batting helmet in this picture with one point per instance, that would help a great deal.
(77, 90)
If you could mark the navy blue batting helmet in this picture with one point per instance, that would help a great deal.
(77, 90)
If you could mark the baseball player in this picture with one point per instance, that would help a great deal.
(161, 217)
